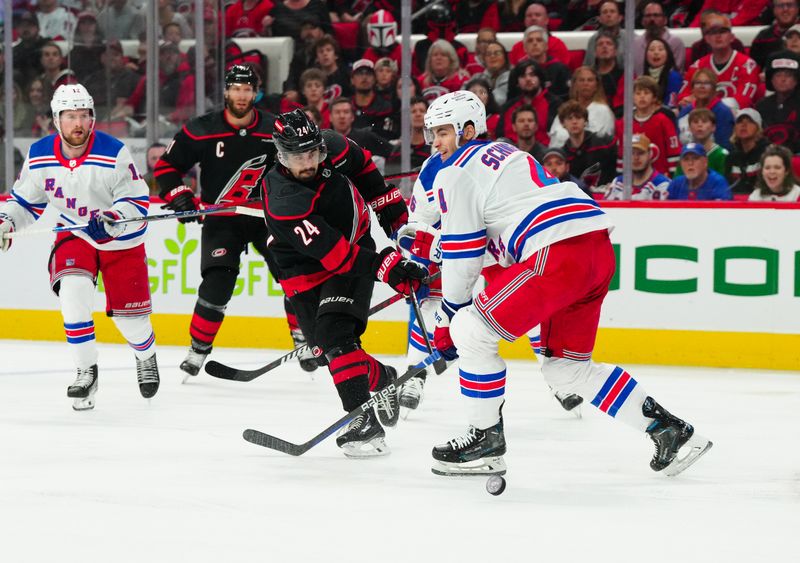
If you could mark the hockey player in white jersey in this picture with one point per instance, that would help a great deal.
(89, 176)
(553, 242)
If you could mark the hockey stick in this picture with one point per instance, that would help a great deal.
(221, 371)
(238, 208)
(274, 443)
(400, 175)
(439, 365)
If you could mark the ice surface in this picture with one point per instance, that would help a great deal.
(174, 481)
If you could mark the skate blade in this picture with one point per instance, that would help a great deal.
(186, 378)
(83, 404)
(362, 450)
(484, 466)
(577, 412)
(692, 450)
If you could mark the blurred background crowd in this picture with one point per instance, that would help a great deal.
(714, 118)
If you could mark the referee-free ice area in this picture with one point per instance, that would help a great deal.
(173, 481)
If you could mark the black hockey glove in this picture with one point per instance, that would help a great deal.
(403, 275)
(182, 198)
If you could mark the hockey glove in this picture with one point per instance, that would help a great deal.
(441, 336)
(421, 241)
(182, 198)
(403, 275)
(102, 228)
(6, 226)
(391, 210)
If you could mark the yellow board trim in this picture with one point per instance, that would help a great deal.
(614, 345)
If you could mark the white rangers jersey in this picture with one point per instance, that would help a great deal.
(493, 198)
(103, 178)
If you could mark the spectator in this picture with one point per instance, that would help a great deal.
(152, 155)
(660, 65)
(372, 111)
(702, 47)
(441, 27)
(54, 74)
(526, 87)
(524, 124)
(479, 86)
(170, 77)
(697, 182)
(328, 59)
(556, 74)
(702, 124)
(186, 102)
(312, 88)
(88, 46)
(780, 111)
(512, 14)
(420, 149)
(289, 16)
(586, 150)
(610, 21)
(556, 163)
(443, 72)
(55, 22)
(791, 39)
(20, 114)
(776, 181)
(342, 117)
(607, 67)
(382, 38)
(18, 160)
(304, 56)
(497, 70)
(770, 39)
(172, 33)
(704, 95)
(248, 18)
(656, 123)
(582, 15)
(749, 144)
(647, 183)
(41, 123)
(113, 83)
(28, 52)
(472, 15)
(386, 74)
(654, 21)
(118, 20)
(536, 14)
(587, 89)
(477, 60)
(741, 12)
(314, 115)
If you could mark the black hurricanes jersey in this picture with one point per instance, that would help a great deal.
(232, 159)
(320, 228)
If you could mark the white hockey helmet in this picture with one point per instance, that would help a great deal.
(381, 30)
(456, 109)
(69, 97)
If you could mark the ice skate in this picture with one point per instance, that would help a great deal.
(389, 407)
(677, 446)
(83, 389)
(569, 402)
(306, 358)
(147, 375)
(193, 362)
(477, 452)
(411, 394)
(363, 437)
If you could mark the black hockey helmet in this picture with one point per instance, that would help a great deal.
(441, 24)
(241, 74)
(294, 132)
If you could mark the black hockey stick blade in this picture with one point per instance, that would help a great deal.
(268, 441)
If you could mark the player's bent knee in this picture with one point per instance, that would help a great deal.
(333, 331)
(218, 285)
(471, 335)
(566, 375)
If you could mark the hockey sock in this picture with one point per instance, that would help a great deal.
(535, 339)
(138, 331)
(206, 321)
(417, 350)
(353, 372)
(76, 295)
(291, 318)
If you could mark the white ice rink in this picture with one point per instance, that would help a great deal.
(173, 481)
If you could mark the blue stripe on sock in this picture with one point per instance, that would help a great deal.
(483, 394)
(80, 339)
(622, 396)
(612, 379)
(73, 326)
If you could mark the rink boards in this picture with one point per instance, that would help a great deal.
(699, 284)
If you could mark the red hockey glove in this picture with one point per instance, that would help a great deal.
(441, 337)
(391, 210)
(182, 198)
(403, 275)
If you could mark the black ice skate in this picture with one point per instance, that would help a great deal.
(83, 389)
(569, 402)
(478, 452)
(306, 358)
(672, 436)
(363, 437)
(147, 374)
(194, 361)
(411, 393)
(388, 408)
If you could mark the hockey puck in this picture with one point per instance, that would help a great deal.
(496, 485)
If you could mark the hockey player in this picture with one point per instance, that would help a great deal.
(320, 239)
(89, 176)
(553, 241)
(234, 149)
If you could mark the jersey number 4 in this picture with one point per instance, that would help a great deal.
(308, 233)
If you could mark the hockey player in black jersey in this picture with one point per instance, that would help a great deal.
(315, 202)
(234, 149)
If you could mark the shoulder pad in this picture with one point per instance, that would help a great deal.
(43, 147)
(336, 143)
(266, 121)
(105, 145)
(211, 123)
(287, 199)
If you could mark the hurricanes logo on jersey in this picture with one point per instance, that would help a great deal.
(240, 187)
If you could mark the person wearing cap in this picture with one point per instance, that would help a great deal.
(780, 112)
(791, 39)
(697, 181)
(702, 126)
(372, 111)
(28, 52)
(770, 39)
(701, 47)
(386, 75)
(647, 183)
(749, 144)
(737, 74)
(113, 83)
(556, 163)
